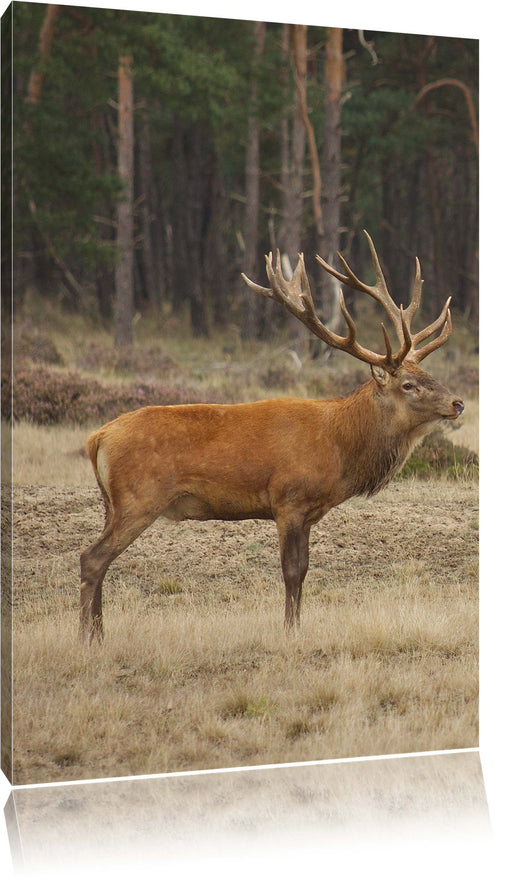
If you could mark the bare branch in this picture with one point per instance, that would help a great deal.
(459, 84)
(315, 163)
(368, 45)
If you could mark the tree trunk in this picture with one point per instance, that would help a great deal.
(222, 276)
(251, 309)
(161, 247)
(300, 69)
(150, 290)
(335, 77)
(292, 159)
(292, 174)
(197, 223)
(285, 129)
(440, 289)
(35, 82)
(124, 306)
(189, 223)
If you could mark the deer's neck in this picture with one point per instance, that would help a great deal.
(372, 447)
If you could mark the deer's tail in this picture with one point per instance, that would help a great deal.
(100, 466)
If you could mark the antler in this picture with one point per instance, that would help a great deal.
(295, 295)
(400, 318)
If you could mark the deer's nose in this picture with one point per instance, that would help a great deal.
(458, 406)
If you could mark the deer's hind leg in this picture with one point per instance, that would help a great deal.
(118, 534)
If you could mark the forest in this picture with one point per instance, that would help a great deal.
(158, 156)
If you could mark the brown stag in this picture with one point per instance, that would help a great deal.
(289, 460)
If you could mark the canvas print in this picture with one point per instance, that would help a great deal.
(239, 393)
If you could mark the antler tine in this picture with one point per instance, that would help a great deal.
(380, 285)
(443, 321)
(379, 291)
(350, 279)
(415, 301)
(407, 344)
(351, 325)
(389, 351)
(260, 289)
(434, 326)
(275, 291)
(279, 275)
(397, 359)
(381, 294)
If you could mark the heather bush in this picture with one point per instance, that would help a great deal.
(47, 397)
(438, 455)
(281, 377)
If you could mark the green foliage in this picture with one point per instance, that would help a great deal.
(200, 62)
(192, 80)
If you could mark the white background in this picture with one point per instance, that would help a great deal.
(487, 22)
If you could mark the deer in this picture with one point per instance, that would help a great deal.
(289, 460)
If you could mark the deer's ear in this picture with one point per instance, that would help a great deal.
(380, 375)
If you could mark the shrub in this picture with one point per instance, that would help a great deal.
(278, 377)
(437, 455)
(48, 397)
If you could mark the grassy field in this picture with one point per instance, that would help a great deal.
(196, 670)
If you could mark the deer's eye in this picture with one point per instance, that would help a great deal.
(407, 385)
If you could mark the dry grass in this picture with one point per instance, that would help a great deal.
(51, 455)
(190, 686)
(196, 670)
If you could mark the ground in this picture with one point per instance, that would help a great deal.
(196, 670)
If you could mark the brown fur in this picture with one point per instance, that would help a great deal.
(288, 460)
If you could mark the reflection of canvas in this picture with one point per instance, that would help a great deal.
(180, 822)
(130, 296)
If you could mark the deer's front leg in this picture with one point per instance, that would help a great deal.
(294, 545)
